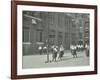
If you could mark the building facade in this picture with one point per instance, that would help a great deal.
(55, 28)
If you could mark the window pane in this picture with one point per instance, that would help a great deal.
(39, 36)
(26, 35)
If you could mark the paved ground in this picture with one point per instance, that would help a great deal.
(38, 61)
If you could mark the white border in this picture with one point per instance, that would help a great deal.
(21, 71)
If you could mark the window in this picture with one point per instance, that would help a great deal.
(60, 37)
(52, 34)
(26, 35)
(39, 37)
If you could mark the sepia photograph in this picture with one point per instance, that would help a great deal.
(55, 39)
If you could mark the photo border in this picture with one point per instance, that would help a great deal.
(14, 38)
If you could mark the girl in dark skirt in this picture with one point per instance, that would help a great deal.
(74, 53)
(61, 52)
(54, 55)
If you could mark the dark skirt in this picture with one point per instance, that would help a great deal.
(73, 52)
(61, 54)
(54, 55)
